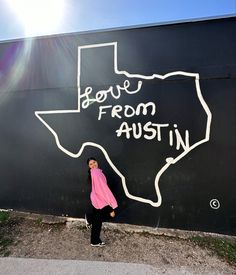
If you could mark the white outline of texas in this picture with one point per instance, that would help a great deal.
(169, 161)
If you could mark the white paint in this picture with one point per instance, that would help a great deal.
(115, 110)
(147, 128)
(102, 95)
(169, 160)
(124, 129)
(145, 108)
(159, 126)
(179, 140)
(88, 101)
(101, 111)
(127, 110)
(171, 138)
(154, 128)
(214, 204)
(137, 130)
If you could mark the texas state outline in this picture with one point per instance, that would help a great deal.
(169, 161)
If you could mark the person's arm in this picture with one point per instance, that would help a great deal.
(102, 189)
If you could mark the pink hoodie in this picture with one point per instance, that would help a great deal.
(101, 195)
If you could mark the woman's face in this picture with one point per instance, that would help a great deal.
(93, 164)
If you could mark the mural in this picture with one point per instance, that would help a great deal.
(155, 105)
(154, 129)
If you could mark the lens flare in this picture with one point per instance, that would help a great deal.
(13, 63)
(39, 17)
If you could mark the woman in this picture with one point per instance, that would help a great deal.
(102, 200)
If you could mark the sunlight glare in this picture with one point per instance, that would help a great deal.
(39, 16)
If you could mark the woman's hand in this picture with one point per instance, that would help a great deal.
(112, 214)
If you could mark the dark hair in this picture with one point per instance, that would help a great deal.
(88, 160)
(89, 173)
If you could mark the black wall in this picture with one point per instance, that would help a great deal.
(41, 74)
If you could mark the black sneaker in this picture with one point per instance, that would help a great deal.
(88, 225)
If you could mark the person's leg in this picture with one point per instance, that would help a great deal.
(89, 219)
(96, 227)
(89, 216)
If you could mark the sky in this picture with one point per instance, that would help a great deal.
(29, 18)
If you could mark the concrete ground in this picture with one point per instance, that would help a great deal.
(20, 266)
(55, 245)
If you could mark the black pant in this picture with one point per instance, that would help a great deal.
(96, 219)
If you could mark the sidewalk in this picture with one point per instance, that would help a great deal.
(23, 266)
(20, 266)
